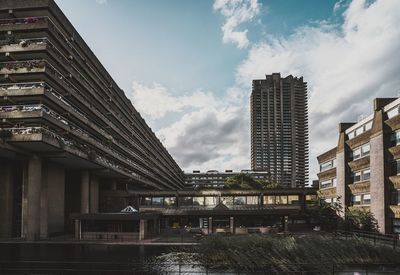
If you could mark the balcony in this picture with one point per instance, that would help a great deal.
(395, 181)
(359, 164)
(359, 187)
(25, 45)
(27, 23)
(22, 67)
(395, 210)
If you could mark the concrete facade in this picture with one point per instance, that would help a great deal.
(364, 169)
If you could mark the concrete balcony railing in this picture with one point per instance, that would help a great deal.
(21, 67)
(24, 45)
(359, 187)
(13, 24)
(395, 210)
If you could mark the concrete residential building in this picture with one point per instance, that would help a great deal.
(67, 130)
(364, 168)
(279, 129)
(215, 178)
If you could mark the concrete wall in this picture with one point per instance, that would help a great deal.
(55, 193)
(6, 199)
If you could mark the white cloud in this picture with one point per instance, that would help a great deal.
(345, 67)
(236, 13)
(155, 101)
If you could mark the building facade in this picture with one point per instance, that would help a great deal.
(217, 179)
(363, 170)
(279, 129)
(67, 130)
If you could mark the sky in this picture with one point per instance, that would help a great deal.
(187, 65)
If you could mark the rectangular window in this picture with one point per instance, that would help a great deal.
(227, 200)
(393, 112)
(252, 200)
(169, 201)
(357, 153)
(157, 201)
(326, 183)
(361, 151)
(239, 200)
(281, 200)
(396, 226)
(198, 201)
(293, 199)
(395, 138)
(327, 165)
(357, 177)
(334, 182)
(366, 199)
(311, 198)
(356, 199)
(210, 201)
(269, 199)
(146, 201)
(398, 167)
(366, 174)
(186, 201)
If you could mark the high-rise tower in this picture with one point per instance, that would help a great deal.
(279, 129)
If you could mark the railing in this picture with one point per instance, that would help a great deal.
(376, 238)
(169, 268)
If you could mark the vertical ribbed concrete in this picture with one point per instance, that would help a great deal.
(33, 185)
(85, 192)
(6, 199)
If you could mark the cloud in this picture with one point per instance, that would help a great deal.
(154, 101)
(209, 132)
(346, 66)
(236, 12)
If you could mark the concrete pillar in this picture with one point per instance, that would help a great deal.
(55, 179)
(286, 223)
(85, 192)
(142, 229)
(6, 200)
(210, 229)
(232, 225)
(44, 207)
(78, 230)
(378, 188)
(33, 185)
(94, 195)
(114, 185)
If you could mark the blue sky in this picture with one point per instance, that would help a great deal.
(187, 65)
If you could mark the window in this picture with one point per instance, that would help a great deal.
(366, 199)
(356, 200)
(311, 198)
(396, 226)
(281, 200)
(269, 199)
(198, 201)
(210, 201)
(328, 183)
(169, 201)
(396, 197)
(146, 201)
(186, 201)
(227, 200)
(327, 165)
(157, 201)
(367, 126)
(397, 167)
(239, 200)
(361, 151)
(293, 199)
(395, 138)
(252, 200)
(393, 112)
(361, 175)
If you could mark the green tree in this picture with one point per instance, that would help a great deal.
(265, 184)
(360, 219)
(327, 215)
(242, 181)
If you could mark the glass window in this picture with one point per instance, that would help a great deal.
(356, 153)
(366, 199)
(310, 198)
(393, 112)
(198, 201)
(359, 131)
(395, 138)
(326, 183)
(397, 167)
(186, 201)
(240, 200)
(293, 199)
(269, 199)
(157, 200)
(396, 225)
(334, 182)
(281, 200)
(356, 200)
(357, 177)
(169, 201)
(253, 200)
(146, 201)
(366, 174)
(365, 150)
(209, 201)
(351, 134)
(227, 200)
(368, 125)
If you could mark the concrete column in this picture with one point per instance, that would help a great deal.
(44, 208)
(85, 191)
(114, 185)
(6, 200)
(142, 229)
(286, 223)
(78, 230)
(232, 225)
(33, 185)
(378, 188)
(94, 195)
(210, 228)
(55, 179)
